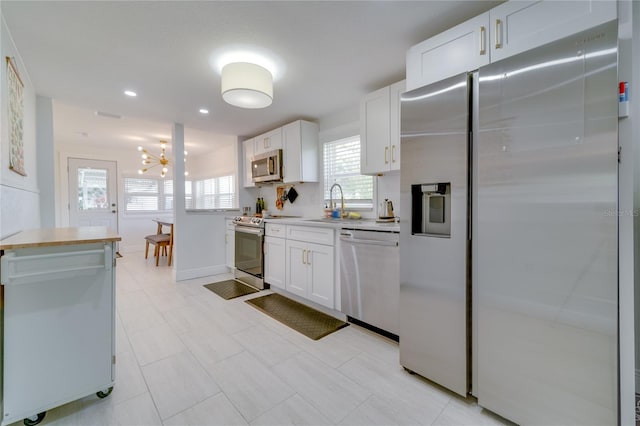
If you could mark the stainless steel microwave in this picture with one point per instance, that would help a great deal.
(267, 167)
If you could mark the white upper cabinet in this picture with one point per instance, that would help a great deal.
(300, 151)
(268, 141)
(464, 47)
(248, 147)
(395, 90)
(506, 30)
(518, 26)
(380, 130)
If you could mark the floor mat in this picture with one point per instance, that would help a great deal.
(308, 321)
(230, 289)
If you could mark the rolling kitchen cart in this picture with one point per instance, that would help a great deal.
(58, 331)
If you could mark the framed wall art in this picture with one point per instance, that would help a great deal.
(15, 89)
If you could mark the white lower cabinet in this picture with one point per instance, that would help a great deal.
(274, 261)
(310, 271)
(230, 243)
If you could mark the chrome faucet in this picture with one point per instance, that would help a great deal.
(341, 198)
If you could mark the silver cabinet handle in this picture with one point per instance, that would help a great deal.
(304, 252)
(483, 48)
(308, 261)
(393, 153)
(498, 34)
(386, 151)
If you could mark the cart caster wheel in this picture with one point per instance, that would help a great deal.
(34, 420)
(105, 393)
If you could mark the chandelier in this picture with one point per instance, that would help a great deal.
(150, 160)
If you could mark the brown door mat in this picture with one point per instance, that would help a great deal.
(303, 319)
(230, 289)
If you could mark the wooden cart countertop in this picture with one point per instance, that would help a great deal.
(59, 237)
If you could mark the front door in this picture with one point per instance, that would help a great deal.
(92, 193)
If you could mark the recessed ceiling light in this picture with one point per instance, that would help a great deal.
(204, 111)
(130, 93)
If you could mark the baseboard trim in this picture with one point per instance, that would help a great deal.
(189, 274)
(637, 381)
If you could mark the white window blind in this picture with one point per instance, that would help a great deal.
(342, 166)
(147, 194)
(212, 193)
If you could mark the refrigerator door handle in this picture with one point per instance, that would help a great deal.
(498, 34)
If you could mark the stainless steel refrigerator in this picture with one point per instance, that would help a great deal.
(539, 199)
(434, 243)
(545, 233)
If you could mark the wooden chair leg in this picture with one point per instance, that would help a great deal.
(157, 254)
(146, 250)
(170, 254)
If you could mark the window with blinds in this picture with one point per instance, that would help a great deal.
(144, 194)
(342, 166)
(212, 193)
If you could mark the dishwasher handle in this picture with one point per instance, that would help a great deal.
(349, 238)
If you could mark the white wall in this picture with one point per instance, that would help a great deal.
(200, 235)
(46, 161)
(19, 195)
(635, 138)
(628, 131)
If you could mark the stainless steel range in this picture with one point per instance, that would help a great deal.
(249, 237)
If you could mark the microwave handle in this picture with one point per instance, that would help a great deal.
(272, 166)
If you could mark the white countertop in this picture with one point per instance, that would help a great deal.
(362, 224)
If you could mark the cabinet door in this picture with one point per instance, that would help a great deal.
(464, 47)
(395, 90)
(274, 261)
(230, 244)
(518, 26)
(268, 141)
(320, 261)
(247, 153)
(374, 132)
(300, 151)
(296, 267)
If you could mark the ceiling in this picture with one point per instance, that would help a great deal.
(84, 54)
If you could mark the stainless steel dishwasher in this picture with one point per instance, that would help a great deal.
(369, 278)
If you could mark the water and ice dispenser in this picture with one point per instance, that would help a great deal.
(431, 209)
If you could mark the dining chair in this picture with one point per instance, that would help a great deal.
(163, 243)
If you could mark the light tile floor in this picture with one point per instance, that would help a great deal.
(187, 357)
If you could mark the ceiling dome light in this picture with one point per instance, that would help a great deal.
(247, 85)
(204, 111)
(130, 93)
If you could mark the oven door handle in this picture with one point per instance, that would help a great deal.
(247, 230)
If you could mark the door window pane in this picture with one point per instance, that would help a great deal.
(92, 189)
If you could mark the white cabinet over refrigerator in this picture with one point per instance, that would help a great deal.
(380, 130)
(59, 319)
